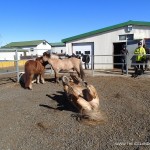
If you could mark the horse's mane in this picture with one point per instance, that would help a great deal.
(40, 59)
(73, 55)
(46, 54)
(50, 55)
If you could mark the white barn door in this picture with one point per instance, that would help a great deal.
(85, 48)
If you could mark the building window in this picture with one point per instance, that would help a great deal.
(129, 28)
(126, 37)
(147, 43)
(87, 52)
(130, 37)
(44, 43)
(122, 37)
(31, 49)
(78, 52)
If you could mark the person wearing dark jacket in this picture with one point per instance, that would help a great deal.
(123, 53)
(86, 60)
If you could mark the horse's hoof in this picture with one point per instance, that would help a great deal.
(30, 88)
(43, 82)
(57, 82)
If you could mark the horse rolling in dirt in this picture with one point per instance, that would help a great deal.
(85, 98)
(64, 64)
(34, 69)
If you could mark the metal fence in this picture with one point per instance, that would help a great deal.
(130, 64)
(16, 61)
(112, 70)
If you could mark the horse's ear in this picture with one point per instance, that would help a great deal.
(92, 91)
(44, 53)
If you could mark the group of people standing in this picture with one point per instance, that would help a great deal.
(140, 58)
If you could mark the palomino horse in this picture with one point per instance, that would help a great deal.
(64, 64)
(84, 97)
(34, 69)
(51, 55)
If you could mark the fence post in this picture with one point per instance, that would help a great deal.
(92, 63)
(17, 65)
(127, 67)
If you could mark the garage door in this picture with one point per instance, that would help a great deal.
(131, 46)
(85, 48)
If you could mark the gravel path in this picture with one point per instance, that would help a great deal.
(42, 119)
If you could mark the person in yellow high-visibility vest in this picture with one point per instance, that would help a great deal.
(140, 56)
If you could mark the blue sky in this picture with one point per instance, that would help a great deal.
(54, 20)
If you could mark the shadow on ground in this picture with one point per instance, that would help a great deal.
(63, 102)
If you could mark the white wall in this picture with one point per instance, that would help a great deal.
(103, 43)
(9, 55)
(58, 49)
(41, 48)
(38, 50)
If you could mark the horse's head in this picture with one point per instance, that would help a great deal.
(46, 56)
(40, 59)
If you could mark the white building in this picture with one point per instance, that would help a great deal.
(109, 41)
(35, 48)
(58, 48)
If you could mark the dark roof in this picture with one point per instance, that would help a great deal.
(91, 33)
(23, 44)
(57, 44)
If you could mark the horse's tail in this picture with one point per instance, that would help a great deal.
(82, 71)
(27, 80)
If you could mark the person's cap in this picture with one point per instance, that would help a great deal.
(140, 43)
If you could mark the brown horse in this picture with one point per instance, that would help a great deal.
(84, 97)
(64, 64)
(34, 69)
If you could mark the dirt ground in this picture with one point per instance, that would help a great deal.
(42, 119)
